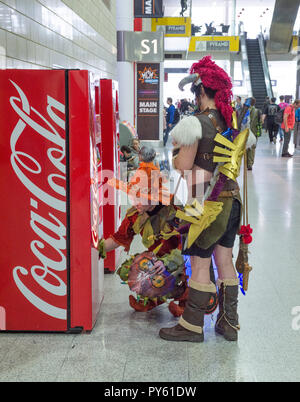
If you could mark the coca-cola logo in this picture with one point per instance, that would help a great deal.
(49, 230)
(94, 196)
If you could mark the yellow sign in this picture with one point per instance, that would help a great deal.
(174, 26)
(294, 46)
(214, 44)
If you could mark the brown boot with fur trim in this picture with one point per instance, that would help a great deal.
(227, 323)
(190, 325)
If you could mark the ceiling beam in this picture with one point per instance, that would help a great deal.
(283, 21)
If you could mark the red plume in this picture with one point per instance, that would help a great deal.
(214, 77)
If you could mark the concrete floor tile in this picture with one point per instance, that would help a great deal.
(124, 345)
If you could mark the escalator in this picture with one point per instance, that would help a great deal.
(256, 64)
(281, 30)
(257, 77)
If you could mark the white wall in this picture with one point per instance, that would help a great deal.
(285, 72)
(42, 34)
(171, 87)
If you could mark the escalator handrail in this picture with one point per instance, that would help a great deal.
(265, 66)
(245, 65)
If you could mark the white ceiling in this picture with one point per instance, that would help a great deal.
(240, 3)
(256, 16)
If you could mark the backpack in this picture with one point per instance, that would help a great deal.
(255, 115)
(176, 117)
(259, 129)
(279, 116)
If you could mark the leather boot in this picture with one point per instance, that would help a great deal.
(190, 325)
(227, 323)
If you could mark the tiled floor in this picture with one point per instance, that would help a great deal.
(124, 345)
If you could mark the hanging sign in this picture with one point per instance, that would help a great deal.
(148, 105)
(173, 26)
(214, 44)
(140, 46)
(148, 8)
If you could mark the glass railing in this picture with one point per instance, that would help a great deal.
(245, 64)
(261, 42)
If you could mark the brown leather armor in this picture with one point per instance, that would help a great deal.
(212, 122)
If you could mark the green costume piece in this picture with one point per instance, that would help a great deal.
(173, 262)
(215, 231)
(154, 227)
(255, 127)
(101, 249)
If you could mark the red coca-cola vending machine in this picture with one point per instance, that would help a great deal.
(50, 275)
(110, 149)
(99, 168)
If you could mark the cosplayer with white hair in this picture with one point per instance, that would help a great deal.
(211, 144)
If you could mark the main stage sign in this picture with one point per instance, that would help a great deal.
(148, 105)
(148, 8)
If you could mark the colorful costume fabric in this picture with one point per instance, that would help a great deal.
(206, 222)
(157, 230)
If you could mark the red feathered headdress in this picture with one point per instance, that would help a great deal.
(214, 77)
(207, 72)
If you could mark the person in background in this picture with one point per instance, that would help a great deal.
(184, 106)
(169, 119)
(126, 154)
(164, 119)
(297, 127)
(126, 157)
(238, 105)
(147, 155)
(178, 104)
(269, 114)
(135, 149)
(135, 146)
(282, 105)
(266, 103)
(288, 125)
(255, 117)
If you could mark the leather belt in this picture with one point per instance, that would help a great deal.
(206, 156)
(229, 193)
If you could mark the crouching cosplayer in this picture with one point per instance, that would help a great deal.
(157, 275)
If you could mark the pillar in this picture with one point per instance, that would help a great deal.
(125, 70)
(233, 18)
(298, 69)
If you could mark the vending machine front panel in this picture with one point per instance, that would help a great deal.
(34, 205)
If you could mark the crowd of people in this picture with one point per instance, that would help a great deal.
(278, 119)
(174, 113)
